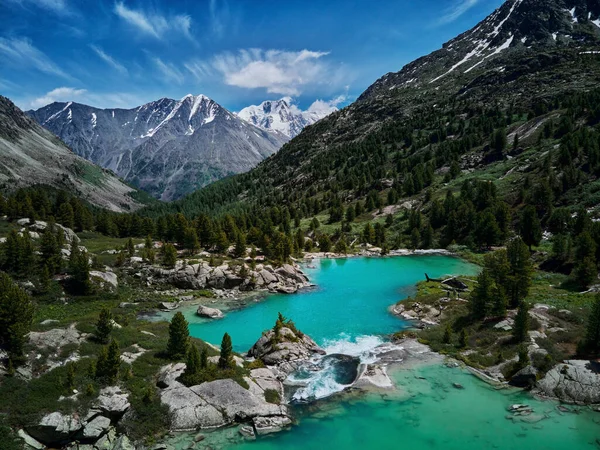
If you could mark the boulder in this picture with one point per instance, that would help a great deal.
(234, 401)
(211, 313)
(96, 427)
(56, 338)
(285, 350)
(105, 279)
(55, 429)
(272, 424)
(167, 376)
(189, 411)
(169, 306)
(112, 402)
(524, 378)
(30, 442)
(574, 381)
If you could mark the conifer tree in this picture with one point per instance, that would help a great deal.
(104, 325)
(226, 356)
(50, 250)
(500, 302)
(130, 248)
(519, 279)
(240, 246)
(521, 326)
(531, 229)
(204, 358)
(16, 314)
(481, 296)
(586, 272)
(463, 338)
(447, 339)
(592, 336)
(169, 255)
(108, 363)
(192, 365)
(177, 345)
(79, 269)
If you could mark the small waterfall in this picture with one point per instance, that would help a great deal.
(323, 376)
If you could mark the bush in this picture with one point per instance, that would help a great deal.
(272, 396)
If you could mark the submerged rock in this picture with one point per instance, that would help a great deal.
(211, 313)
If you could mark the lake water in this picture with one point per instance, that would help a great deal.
(348, 313)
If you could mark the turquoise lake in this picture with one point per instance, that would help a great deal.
(351, 298)
(348, 312)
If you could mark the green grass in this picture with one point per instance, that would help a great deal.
(98, 243)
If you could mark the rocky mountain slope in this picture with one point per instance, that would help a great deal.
(282, 116)
(523, 57)
(167, 147)
(31, 155)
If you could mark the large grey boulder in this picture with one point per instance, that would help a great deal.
(113, 402)
(30, 442)
(524, 378)
(190, 411)
(56, 338)
(286, 350)
(105, 279)
(96, 427)
(211, 313)
(574, 381)
(55, 429)
(234, 401)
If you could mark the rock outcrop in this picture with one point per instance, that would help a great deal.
(221, 402)
(574, 381)
(210, 313)
(285, 350)
(285, 279)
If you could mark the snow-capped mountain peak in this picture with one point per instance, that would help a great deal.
(284, 116)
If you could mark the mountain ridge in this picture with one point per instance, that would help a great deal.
(166, 147)
(31, 155)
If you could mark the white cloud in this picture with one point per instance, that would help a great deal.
(456, 10)
(153, 23)
(61, 94)
(109, 60)
(59, 7)
(168, 70)
(22, 54)
(327, 107)
(96, 99)
(277, 71)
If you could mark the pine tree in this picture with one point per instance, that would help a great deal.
(500, 302)
(192, 365)
(104, 325)
(130, 248)
(70, 383)
(66, 216)
(481, 296)
(16, 315)
(50, 250)
(240, 246)
(447, 339)
(190, 240)
(108, 363)
(521, 326)
(169, 255)
(521, 269)
(463, 340)
(592, 336)
(586, 272)
(523, 354)
(79, 269)
(531, 229)
(226, 356)
(177, 345)
(204, 358)
(148, 242)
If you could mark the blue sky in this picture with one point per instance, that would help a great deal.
(126, 53)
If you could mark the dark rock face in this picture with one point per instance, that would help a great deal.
(167, 147)
(524, 378)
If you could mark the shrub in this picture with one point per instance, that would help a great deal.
(272, 396)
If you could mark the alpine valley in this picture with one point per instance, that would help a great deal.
(419, 268)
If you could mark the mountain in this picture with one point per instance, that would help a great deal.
(283, 116)
(31, 155)
(167, 148)
(530, 71)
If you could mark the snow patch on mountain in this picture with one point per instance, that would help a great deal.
(284, 117)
